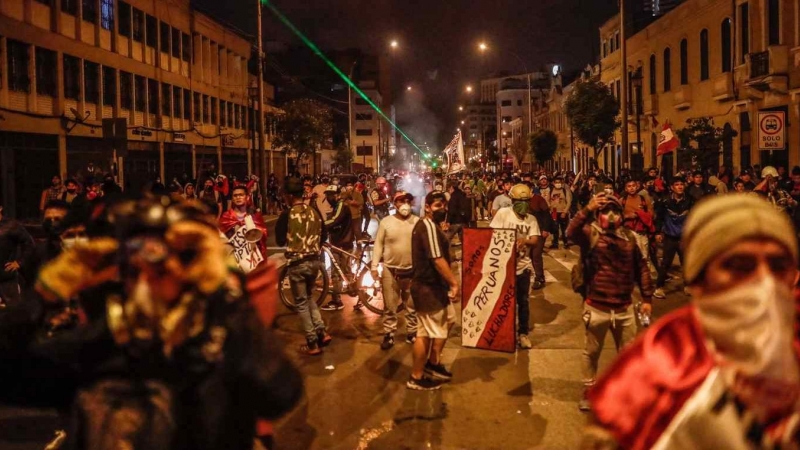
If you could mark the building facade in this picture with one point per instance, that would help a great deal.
(725, 60)
(178, 78)
(369, 136)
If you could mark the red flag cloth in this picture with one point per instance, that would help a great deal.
(668, 142)
(229, 220)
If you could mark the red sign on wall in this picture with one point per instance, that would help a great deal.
(488, 284)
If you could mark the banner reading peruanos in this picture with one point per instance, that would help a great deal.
(488, 283)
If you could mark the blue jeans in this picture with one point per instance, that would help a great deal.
(523, 301)
(302, 277)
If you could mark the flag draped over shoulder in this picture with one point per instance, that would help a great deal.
(668, 142)
(455, 155)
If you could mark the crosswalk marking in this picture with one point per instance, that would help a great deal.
(549, 278)
(567, 264)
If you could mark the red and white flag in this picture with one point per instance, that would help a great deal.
(668, 141)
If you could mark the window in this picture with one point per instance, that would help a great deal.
(611, 45)
(197, 108)
(17, 54)
(505, 103)
(703, 55)
(176, 43)
(124, 19)
(364, 132)
(89, 10)
(223, 113)
(45, 72)
(726, 45)
(138, 25)
(151, 30)
(230, 114)
(166, 100)
(109, 86)
(744, 25)
(107, 14)
(363, 150)
(164, 36)
(652, 74)
(220, 60)
(187, 104)
(177, 96)
(139, 94)
(206, 110)
(214, 111)
(773, 22)
(187, 47)
(238, 116)
(69, 6)
(125, 90)
(72, 77)
(363, 116)
(616, 40)
(619, 89)
(605, 48)
(91, 75)
(667, 70)
(152, 96)
(684, 62)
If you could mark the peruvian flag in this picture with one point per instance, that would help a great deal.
(668, 142)
(488, 300)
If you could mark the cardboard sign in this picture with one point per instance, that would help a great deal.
(247, 254)
(488, 287)
(771, 130)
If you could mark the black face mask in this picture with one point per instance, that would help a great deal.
(439, 216)
(49, 226)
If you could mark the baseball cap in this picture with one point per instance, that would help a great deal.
(402, 195)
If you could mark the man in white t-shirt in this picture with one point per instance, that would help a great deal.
(528, 234)
(502, 200)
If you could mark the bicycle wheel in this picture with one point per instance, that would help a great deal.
(318, 293)
(368, 295)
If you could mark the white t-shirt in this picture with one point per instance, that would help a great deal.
(501, 201)
(526, 228)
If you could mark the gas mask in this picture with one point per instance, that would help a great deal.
(609, 219)
(751, 327)
(404, 210)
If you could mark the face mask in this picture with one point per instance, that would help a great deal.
(404, 210)
(558, 185)
(609, 219)
(520, 208)
(439, 216)
(751, 327)
(68, 243)
(49, 225)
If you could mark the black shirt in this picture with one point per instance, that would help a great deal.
(15, 245)
(428, 242)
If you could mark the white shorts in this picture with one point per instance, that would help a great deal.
(436, 325)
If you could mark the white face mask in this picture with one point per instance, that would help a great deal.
(72, 242)
(404, 210)
(752, 328)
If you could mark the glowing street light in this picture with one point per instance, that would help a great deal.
(394, 44)
(469, 88)
(483, 47)
(460, 108)
(408, 88)
(462, 122)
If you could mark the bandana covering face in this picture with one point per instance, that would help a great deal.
(610, 219)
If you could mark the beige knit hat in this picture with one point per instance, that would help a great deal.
(716, 223)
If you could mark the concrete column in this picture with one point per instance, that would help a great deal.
(62, 155)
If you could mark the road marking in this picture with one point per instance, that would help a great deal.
(567, 264)
(549, 277)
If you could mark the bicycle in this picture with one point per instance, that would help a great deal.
(362, 285)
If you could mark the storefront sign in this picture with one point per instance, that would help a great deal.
(178, 137)
(772, 130)
(488, 301)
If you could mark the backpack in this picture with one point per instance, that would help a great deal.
(579, 275)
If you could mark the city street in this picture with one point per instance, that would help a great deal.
(356, 396)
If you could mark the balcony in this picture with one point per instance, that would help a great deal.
(683, 97)
(650, 104)
(768, 71)
(723, 87)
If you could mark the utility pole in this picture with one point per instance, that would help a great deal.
(623, 96)
(266, 161)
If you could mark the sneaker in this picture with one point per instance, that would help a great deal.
(584, 404)
(411, 338)
(323, 338)
(659, 293)
(388, 342)
(333, 305)
(524, 342)
(537, 285)
(424, 384)
(311, 348)
(437, 371)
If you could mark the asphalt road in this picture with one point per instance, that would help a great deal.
(356, 396)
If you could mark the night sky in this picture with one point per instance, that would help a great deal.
(439, 38)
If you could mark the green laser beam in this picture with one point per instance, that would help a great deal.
(338, 71)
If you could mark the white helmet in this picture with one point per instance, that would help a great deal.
(769, 171)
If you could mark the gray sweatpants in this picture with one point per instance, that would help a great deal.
(393, 293)
(597, 323)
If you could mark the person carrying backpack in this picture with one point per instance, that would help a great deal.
(612, 264)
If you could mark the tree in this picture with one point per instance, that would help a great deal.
(544, 144)
(305, 126)
(343, 159)
(592, 111)
(707, 139)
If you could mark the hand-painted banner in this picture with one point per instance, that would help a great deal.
(488, 283)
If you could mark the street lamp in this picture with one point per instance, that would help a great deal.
(469, 88)
(394, 44)
(462, 122)
(483, 47)
(408, 88)
(460, 108)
